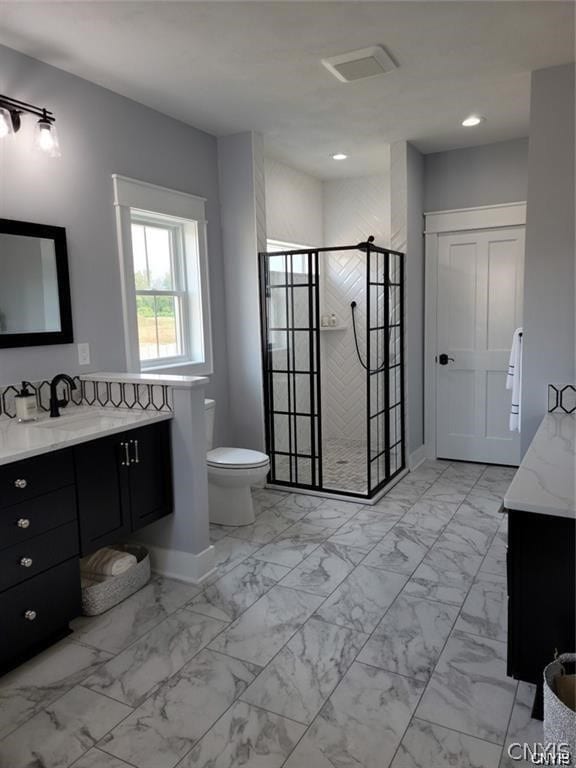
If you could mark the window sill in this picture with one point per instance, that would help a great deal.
(194, 369)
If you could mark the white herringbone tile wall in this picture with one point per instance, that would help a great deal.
(353, 210)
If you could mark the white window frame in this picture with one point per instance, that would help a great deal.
(133, 198)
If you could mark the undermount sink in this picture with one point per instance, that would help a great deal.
(79, 421)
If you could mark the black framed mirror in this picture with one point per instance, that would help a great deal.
(35, 305)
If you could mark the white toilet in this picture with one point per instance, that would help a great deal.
(231, 473)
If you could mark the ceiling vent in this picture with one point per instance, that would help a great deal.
(357, 65)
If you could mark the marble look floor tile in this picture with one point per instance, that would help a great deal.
(332, 514)
(365, 530)
(168, 724)
(43, 679)
(238, 589)
(266, 626)
(495, 560)
(122, 625)
(264, 498)
(485, 611)
(132, 675)
(361, 724)
(299, 680)
(469, 690)
(300, 503)
(463, 533)
(362, 599)
(266, 527)
(430, 746)
(445, 575)
(409, 492)
(492, 487)
(228, 553)
(401, 550)
(429, 515)
(295, 544)
(410, 637)
(246, 736)
(62, 732)
(218, 532)
(523, 729)
(390, 507)
(95, 758)
(448, 492)
(322, 571)
(486, 499)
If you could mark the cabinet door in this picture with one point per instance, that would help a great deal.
(150, 473)
(102, 478)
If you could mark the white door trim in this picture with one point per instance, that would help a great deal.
(437, 223)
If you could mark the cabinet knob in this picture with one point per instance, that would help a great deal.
(26, 562)
(23, 523)
(29, 615)
(20, 483)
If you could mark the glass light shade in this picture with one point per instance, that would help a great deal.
(46, 138)
(5, 123)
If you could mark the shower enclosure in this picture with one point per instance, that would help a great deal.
(333, 332)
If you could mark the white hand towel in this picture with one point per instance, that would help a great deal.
(107, 562)
(514, 379)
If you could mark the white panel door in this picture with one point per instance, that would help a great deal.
(480, 276)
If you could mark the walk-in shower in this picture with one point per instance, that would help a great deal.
(332, 331)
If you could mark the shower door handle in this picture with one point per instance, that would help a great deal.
(443, 359)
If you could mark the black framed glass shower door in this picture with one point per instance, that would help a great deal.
(290, 307)
(301, 451)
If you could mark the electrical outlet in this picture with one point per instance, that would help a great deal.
(84, 354)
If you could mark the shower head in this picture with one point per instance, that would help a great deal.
(364, 246)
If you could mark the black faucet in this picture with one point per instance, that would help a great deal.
(55, 403)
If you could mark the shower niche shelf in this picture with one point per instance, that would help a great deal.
(333, 328)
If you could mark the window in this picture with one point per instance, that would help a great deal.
(165, 283)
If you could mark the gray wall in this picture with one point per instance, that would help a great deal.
(549, 266)
(486, 175)
(100, 133)
(241, 167)
(415, 296)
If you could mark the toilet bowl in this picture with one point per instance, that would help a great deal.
(231, 474)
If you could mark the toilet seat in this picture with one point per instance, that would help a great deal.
(236, 458)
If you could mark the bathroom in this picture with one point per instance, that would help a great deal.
(248, 193)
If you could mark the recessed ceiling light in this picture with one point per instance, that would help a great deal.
(339, 156)
(473, 120)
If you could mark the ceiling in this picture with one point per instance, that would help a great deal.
(235, 66)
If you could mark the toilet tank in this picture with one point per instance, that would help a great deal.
(209, 407)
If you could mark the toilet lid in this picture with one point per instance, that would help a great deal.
(236, 458)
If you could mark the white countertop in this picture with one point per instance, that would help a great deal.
(77, 424)
(544, 482)
(168, 379)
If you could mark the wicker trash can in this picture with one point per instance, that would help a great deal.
(106, 594)
(559, 719)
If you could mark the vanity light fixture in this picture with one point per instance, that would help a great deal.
(472, 120)
(339, 156)
(45, 136)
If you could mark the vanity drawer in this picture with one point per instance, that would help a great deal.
(31, 518)
(26, 479)
(34, 611)
(23, 561)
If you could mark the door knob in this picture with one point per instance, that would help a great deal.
(443, 359)
(30, 615)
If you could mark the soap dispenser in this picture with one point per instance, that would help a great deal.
(25, 403)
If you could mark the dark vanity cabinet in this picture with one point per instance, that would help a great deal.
(39, 553)
(56, 507)
(541, 594)
(123, 483)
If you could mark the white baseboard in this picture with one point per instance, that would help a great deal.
(417, 457)
(183, 566)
